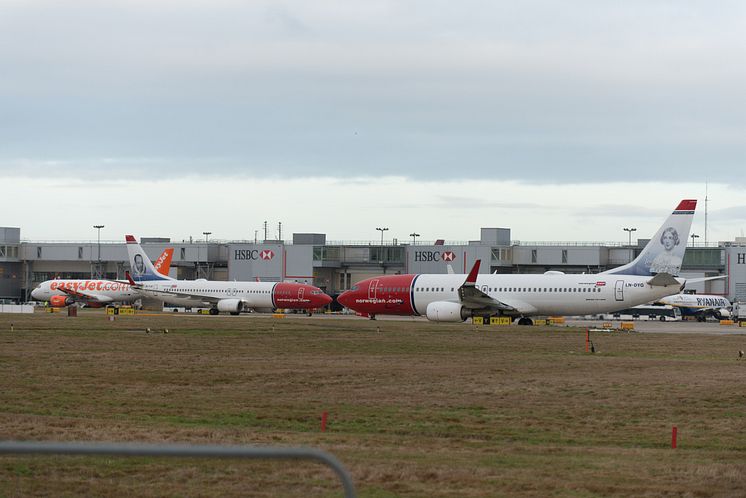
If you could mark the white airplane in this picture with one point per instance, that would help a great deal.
(93, 293)
(454, 298)
(232, 297)
(700, 305)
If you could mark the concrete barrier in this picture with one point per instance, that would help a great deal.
(16, 308)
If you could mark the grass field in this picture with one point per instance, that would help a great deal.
(415, 409)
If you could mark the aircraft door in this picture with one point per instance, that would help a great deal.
(301, 293)
(373, 289)
(619, 290)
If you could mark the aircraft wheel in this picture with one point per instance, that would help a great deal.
(214, 311)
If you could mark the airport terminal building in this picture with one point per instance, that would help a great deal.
(335, 266)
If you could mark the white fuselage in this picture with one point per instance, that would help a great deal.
(695, 303)
(546, 294)
(102, 291)
(254, 294)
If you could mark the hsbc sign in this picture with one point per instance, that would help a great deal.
(253, 254)
(420, 256)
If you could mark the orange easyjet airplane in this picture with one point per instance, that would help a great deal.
(94, 293)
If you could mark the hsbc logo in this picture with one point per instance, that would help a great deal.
(253, 254)
(427, 256)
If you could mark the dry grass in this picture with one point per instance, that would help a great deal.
(417, 409)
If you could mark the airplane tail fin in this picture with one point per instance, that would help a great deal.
(163, 264)
(665, 251)
(142, 268)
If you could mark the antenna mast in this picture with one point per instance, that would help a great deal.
(706, 201)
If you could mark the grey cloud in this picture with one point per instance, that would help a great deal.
(537, 92)
(737, 213)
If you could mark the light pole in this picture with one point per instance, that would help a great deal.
(414, 236)
(694, 236)
(629, 242)
(98, 262)
(207, 253)
(382, 230)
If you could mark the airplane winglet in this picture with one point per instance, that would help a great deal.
(472, 277)
(130, 239)
(129, 279)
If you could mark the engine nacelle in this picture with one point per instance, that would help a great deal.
(230, 305)
(60, 301)
(723, 313)
(445, 311)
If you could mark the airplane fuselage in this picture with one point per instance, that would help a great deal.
(255, 295)
(101, 291)
(697, 304)
(527, 294)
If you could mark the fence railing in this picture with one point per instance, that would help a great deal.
(182, 450)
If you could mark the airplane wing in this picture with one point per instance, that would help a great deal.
(85, 297)
(191, 295)
(170, 292)
(473, 298)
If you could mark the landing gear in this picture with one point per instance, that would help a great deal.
(234, 313)
(524, 320)
(214, 311)
(372, 317)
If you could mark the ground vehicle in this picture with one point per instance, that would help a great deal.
(739, 312)
(664, 313)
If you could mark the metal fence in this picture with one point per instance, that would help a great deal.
(180, 450)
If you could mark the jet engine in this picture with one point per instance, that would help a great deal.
(60, 301)
(445, 311)
(723, 313)
(233, 306)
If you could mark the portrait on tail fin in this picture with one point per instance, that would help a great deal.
(667, 261)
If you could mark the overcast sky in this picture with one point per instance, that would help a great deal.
(560, 120)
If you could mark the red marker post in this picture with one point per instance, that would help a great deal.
(674, 436)
(324, 416)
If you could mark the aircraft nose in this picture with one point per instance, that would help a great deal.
(345, 298)
(36, 293)
(325, 299)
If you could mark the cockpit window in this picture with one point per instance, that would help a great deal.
(354, 287)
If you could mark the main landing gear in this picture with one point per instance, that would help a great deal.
(214, 311)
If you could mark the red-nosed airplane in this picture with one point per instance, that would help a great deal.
(93, 293)
(232, 297)
(454, 298)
